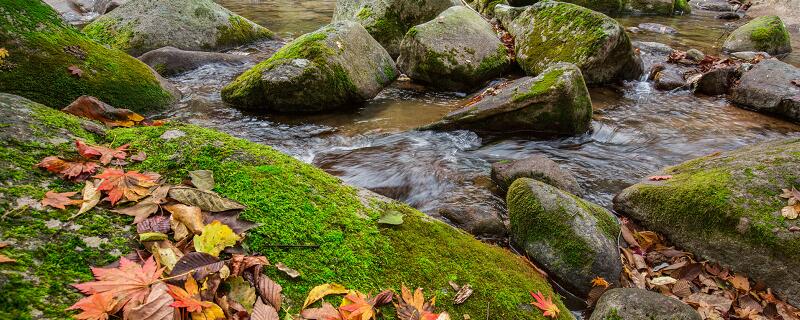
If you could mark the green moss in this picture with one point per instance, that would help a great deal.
(682, 6)
(240, 31)
(613, 315)
(108, 31)
(364, 13)
(38, 42)
(545, 85)
(767, 32)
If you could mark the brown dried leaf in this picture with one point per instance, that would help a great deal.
(200, 264)
(263, 311)
(94, 109)
(659, 178)
(628, 236)
(740, 282)
(202, 179)
(191, 217)
(327, 312)
(154, 224)
(463, 293)
(270, 291)
(60, 200)
(155, 307)
(682, 289)
(240, 262)
(719, 303)
(206, 200)
(68, 170)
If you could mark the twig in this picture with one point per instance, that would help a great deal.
(9, 212)
(312, 246)
(487, 310)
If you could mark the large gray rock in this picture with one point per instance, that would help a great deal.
(768, 88)
(574, 240)
(339, 65)
(640, 304)
(767, 33)
(712, 5)
(726, 208)
(535, 167)
(555, 102)
(389, 20)
(550, 31)
(142, 25)
(169, 61)
(788, 10)
(458, 50)
(715, 82)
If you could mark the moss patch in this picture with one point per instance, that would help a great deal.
(240, 31)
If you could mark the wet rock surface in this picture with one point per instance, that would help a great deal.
(535, 167)
(640, 304)
(768, 88)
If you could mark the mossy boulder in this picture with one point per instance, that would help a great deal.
(139, 26)
(293, 202)
(556, 102)
(458, 50)
(640, 304)
(574, 240)
(389, 20)
(42, 49)
(767, 33)
(768, 88)
(726, 208)
(486, 7)
(551, 31)
(340, 65)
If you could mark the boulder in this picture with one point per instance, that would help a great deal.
(749, 56)
(657, 28)
(140, 26)
(339, 65)
(638, 7)
(505, 14)
(52, 63)
(457, 51)
(653, 48)
(716, 82)
(650, 7)
(555, 102)
(767, 33)
(472, 213)
(535, 167)
(726, 208)
(389, 20)
(550, 31)
(788, 10)
(669, 78)
(640, 304)
(487, 7)
(169, 61)
(712, 5)
(574, 240)
(768, 88)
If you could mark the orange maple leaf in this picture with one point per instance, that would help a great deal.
(355, 306)
(414, 306)
(547, 306)
(129, 282)
(190, 299)
(106, 154)
(132, 185)
(95, 307)
(59, 200)
(600, 282)
(67, 169)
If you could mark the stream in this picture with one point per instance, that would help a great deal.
(636, 129)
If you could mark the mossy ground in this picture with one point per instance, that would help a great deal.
(294, 203)
(42, 48)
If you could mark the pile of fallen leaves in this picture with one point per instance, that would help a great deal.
(714, 291)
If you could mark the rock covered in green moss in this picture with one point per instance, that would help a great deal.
(615, 7)
(42, 49)
(574, 240)
(458, 50)
(768, 88)
(727, 208)
(294, 203)
(551, 31)
(143, 25)
(767, 33)
(640, 304)
(338, 66)
(555, 102)
(389, 20)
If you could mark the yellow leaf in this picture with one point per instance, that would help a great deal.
(215, 237)
(323, 290)
(599, 282)
(3, 54)
(213, 312)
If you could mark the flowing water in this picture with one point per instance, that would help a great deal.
(636, 129)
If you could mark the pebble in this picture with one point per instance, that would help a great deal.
(172, 134)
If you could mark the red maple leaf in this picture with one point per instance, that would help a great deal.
(67, 169)
(547, 306)
(106, 154)
(132, 185)
(95, 307)
(357, 307)
(129, 282)
(59, 200)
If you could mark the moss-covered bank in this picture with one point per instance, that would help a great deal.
(42, 49)
(295, 204)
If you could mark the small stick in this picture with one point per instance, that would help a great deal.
(312, 246)
(22, 208)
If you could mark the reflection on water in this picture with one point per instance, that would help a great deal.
(287, 18)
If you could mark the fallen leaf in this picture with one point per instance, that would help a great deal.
(129, 282)
(356, 306)
(321, 291)
(191, 217)
(414, 307)
(6, 259)
(230, 219)
(199, 264)
(155, 307)
(462, 293)
(75, 71)
(206, 200)
(270, 291)
(663, 281)
(600, 282)
(59, 200)
(391, 217)
(242, 292)
(790, 212)
(3, 54)
(547, 306)
(326, 312)
(94, 109)
(158, 224)
(67, 169)
(130, 185)
(189, 298)
(659, 178)
(288, 271)
(90, 196)
(214, 238)
(165, 253)
(682, 289)
(263, 311)
(628, 236)
(95, 307)
(139, 157)
(646, 239)
(202, 179)
(105, 154)
(240, 262)
(143, 209)
(740, 282)
(720, 303)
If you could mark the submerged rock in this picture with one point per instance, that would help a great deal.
(766, 34)
(143, 25)
(339, 65)
(574, 240)
(555, 102)
(535, 167)
(458, 50)
(768, 88)
(712, 5)
(53, 64)
(640, 304)
(651, 7)
(550, 31)
(657, 28)
(389, 20)
(726, 208)
(169, 61)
